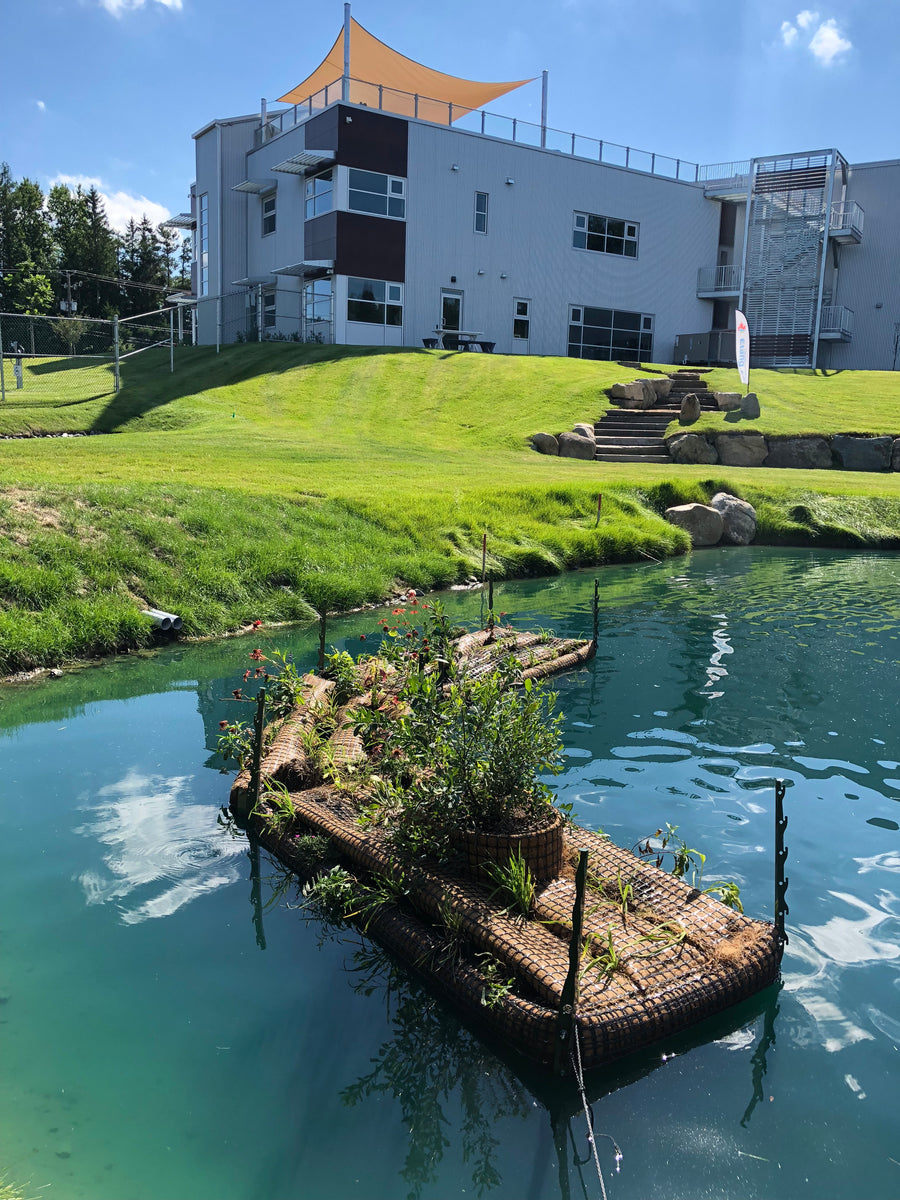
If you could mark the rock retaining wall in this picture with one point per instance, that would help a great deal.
(845, 452)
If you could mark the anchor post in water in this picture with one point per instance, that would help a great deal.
(259, 727)
(781, 880)
(569, 998)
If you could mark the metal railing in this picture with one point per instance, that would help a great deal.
(848, 215)
(511, 129)
(723, 172)
(836, 320)
(719, 279)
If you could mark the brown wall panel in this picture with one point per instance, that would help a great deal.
(320, 237)
(371, 247)
(371, 141)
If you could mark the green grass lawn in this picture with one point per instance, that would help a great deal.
(271, 480)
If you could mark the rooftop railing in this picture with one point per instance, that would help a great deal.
(511, 129)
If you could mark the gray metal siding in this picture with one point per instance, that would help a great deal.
(529, 240)
(869, 274)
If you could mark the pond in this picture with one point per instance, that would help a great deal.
(171, 1026)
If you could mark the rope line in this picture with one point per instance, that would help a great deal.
(575, 1056)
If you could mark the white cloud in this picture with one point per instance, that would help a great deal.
(827, 43)
(121, 207)
(41, 105)
(118, 7)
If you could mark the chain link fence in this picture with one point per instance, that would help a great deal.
(80, 358)
(262, 314)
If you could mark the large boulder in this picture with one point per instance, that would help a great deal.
(584, 430)
(690, 409)
(661, 385)
(691, 448)
(545, 443)
(573, 445)
(895, 455)
(639, 394)
(750, 405)
(863, 453)
(738, 518)
(727, 401)
(741, 449)
(703, 523)
(813, 453)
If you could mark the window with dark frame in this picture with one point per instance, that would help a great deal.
(203, 244)
(374, 301)
(522, 320)
(481, 212)
(608, 334)
(268, 214)
(381, 195)
(605, 235)
(269, 313)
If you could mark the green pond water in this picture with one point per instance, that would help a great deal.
(164, 1037)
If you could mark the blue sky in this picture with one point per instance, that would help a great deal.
(110, 91)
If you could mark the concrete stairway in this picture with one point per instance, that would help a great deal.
(636, 434)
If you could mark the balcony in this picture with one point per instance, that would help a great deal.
(836, 324)
(725, 181)
(713, 282)
(846, 224)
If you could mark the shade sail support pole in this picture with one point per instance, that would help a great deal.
(545, 77)
(345, 80)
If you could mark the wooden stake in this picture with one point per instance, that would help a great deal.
(483, 556)
(320, 666)
(599, 507)
(569, 998)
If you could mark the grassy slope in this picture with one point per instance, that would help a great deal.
(269, 479)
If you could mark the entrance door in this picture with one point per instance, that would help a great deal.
(451, 310)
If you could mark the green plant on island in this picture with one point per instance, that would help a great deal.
(514, 884)
(497, 982)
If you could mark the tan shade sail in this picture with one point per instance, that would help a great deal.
(382, 78)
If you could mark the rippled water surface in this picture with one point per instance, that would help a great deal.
(171, 1027)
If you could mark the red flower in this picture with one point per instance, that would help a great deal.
(362, 637)
(256, 624)
(236, 693)
(257, 655)
(411, 594)
(257, 673)
(223, 724)
(247, 674)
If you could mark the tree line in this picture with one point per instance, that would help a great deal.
(60, 247)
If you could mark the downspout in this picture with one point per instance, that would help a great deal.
(219, 239)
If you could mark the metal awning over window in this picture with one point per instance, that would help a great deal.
(255, 186)
(306, 160)
(310, 267)
(253, 281)
(180, 221)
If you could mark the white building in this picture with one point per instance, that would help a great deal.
(367, 214)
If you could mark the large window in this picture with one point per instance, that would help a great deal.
(605, 235)
(609, 334)
(317, 301)
(374, 301)
(268, 214)
(481, 211)
(203, 244)
(319, 194)
(384, 195)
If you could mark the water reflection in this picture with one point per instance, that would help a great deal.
(157, 842)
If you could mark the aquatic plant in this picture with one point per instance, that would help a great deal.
(515, 883)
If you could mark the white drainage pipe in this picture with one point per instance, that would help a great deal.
(166, 621)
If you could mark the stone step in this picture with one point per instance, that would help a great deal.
(633, 458)
(637, 426)
(624, 439)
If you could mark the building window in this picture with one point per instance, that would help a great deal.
(268, 308)
(319, 194)
(203, 244)
(605, 235)
(317, 301)
(609, 334)
(268, 214)
(522, 320)
(384, 195)
(481, 211)
(375, 302)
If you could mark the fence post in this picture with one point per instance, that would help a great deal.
(218, 322)
(116, 353)
(2, 368)
(259, 313)
(171, 340)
